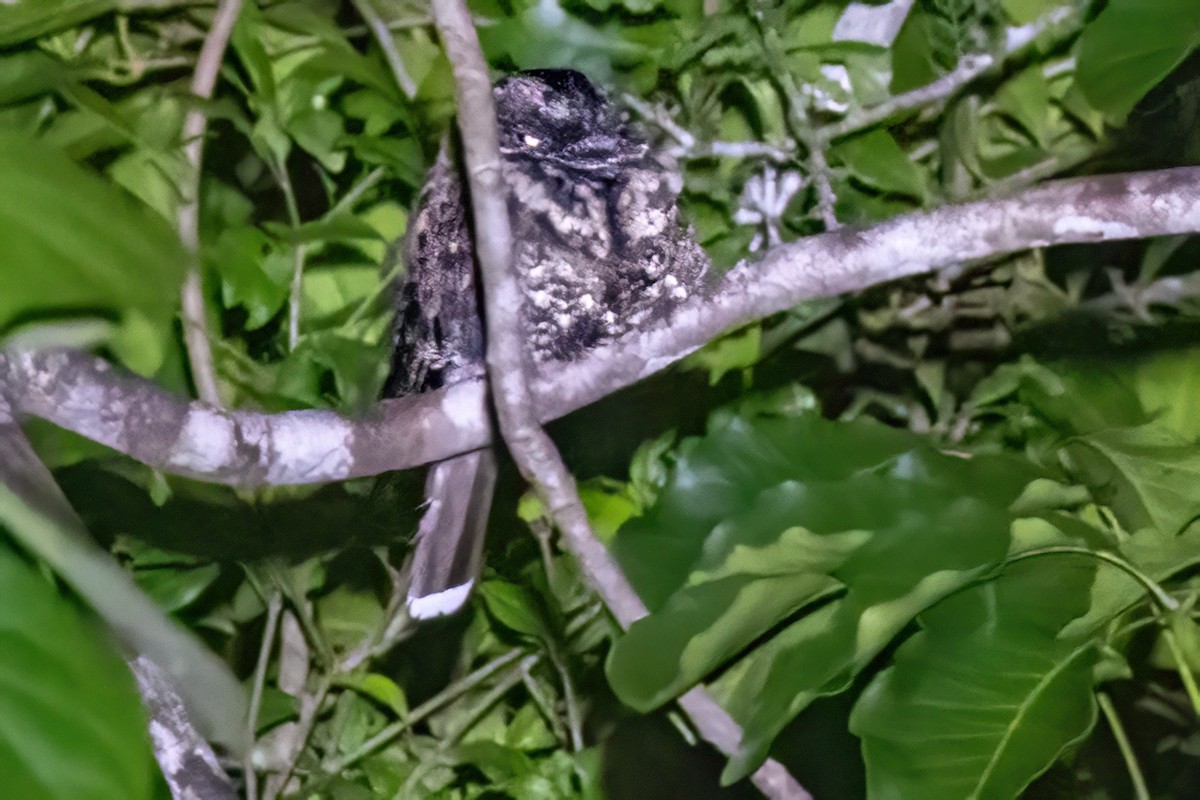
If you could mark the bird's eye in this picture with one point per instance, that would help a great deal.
(532, 141)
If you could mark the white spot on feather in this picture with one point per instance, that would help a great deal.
(440, 603)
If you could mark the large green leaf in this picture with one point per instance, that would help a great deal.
(701, 627)
(72, 244)
(988, 695)
(1167, 386)
(1080, 399)
(37, 516)
(723, 473)
(1131, 46)
(71, 723)
(889, 524)
(1148, 475)
(936, 543)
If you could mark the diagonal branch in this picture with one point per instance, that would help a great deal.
(132, 415)
(39, 518)
(534, 452)
(188, 763)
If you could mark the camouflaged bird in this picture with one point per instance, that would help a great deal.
(598, 250)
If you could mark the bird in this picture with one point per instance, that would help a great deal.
(599, 250)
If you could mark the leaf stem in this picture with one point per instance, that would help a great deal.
(493, 696)
(1182, 666)
(447, 695)
(1159, 595)
(1140, 792)
(274, 607)
(1166, 606)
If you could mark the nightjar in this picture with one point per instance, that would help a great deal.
(598, 249)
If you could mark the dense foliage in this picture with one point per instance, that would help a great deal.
(934, 540)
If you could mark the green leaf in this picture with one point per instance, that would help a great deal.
(174, 588)
(721, 474)
(329, 290)
(1080, 399)
(735, 351)
(774, 515)
(513, 607)
(701, 627)
(27, 74)
(1147, 475)
(212, 694)
(988, 695)
(922, 555)
(347, 615)
(1131, 46)
(607, 507)
(382, 689)
(319, 132)
(1167, 386)
(28, 19)
(876, 159)
(256, 273)
(71, 244)
(912, 54)
(71, 724)
(1023, 12)
(1026, 98)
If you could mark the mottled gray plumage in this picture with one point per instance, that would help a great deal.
(598, 250)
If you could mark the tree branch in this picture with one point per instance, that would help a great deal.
(195, 323)
(246, 448)
(1062, 22)
(508, 370)
(35, 512)
(383, 36)
(188, 763)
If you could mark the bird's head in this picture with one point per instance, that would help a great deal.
(558, 116)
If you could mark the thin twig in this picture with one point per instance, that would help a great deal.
(274, 607)
(1140, 792)
(310, 709)
(196, 335)
(689, 147)
(452, 737)
(1064, 21)
(544, 705)
(439, 700)
(355, 193)
(383, 35)
(798, 111)
(299, 254)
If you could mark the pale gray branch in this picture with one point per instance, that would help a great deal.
(38, 516)
(1104, 208)
(240, 448)
(245, 448)
(383, 35)
(188, 763)
(508, 370)
(195, 323)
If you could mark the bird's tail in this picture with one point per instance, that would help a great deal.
(449, 541)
